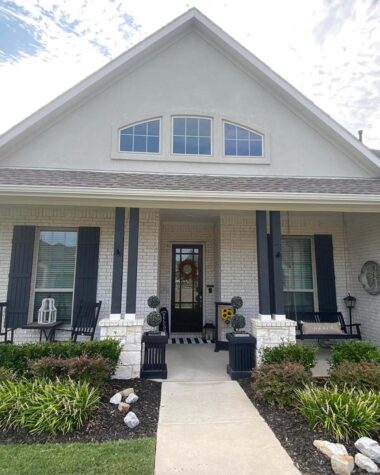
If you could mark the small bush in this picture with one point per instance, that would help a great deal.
(354, 352)
(363, 375)
(96, 370)
(346, 413)
(16, 357)
(278, 383)
(290, 352)
(6, 374)
(46, 406)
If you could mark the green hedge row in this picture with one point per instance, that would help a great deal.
(16, 357)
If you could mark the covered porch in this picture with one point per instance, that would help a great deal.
(280, 262)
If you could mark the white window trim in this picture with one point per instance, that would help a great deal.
(33, 289)
(197, 155)
(133, 124)
(249, 129)
(314, 290)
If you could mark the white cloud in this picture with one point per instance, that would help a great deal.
(329, 50)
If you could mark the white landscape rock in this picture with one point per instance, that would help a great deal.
(329, 448)
(369, 447)
(127, 392)
(131, 420)
(116, 399)
(131, 398)
(342, 464)
(364, 462)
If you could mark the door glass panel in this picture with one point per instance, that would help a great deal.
(186, 284)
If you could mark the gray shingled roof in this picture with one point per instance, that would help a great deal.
(376, 152)
(200, 183)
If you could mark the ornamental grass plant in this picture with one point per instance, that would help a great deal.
(346, 413)
(46, 406)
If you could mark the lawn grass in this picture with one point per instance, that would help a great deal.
(127, 456)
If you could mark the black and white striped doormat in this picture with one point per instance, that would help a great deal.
(189, 340)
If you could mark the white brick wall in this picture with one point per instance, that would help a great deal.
(191, 233)
(238, 268)
(363, 235)
(50, 216)
(148, 260)
(229, 254)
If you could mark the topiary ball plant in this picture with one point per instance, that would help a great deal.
(153, 301)
(236, 302)
(154, 319)
(237, 321)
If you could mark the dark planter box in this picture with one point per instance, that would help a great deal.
(242, 355)
(153, 360)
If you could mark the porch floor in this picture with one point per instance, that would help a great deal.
(196, 363)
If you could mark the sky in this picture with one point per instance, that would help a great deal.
(328, 49)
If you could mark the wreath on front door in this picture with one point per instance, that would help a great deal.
(187, 269)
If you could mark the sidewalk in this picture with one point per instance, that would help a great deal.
(213, 428)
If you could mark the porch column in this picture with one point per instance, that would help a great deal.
(133, 245)
(118, 259)
(263, 265)
(276, 258)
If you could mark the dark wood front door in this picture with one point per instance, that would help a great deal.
(187, 288)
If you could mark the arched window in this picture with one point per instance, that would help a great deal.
(242, 142)
(142, 137)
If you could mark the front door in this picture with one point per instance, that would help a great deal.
(187, 288)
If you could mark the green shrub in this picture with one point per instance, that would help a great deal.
(346, 413)
(363, 375)
(6, 373)
(46, 406)
(290, 352)
(16, 357)
(96, 370)
(278, 383)
(354, 352)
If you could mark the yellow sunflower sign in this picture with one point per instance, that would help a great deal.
(226, 314)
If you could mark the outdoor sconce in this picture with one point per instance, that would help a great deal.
(350, 302)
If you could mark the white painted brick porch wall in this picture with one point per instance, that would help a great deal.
(72, 217)
(363, 233)
(49, 216)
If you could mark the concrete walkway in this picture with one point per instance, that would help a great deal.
(211, 427)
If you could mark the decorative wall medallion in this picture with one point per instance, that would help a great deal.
(369, 277)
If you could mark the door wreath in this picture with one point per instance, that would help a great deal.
(187, 269)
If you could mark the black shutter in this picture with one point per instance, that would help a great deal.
(86, 275)
(324, 258)
(20, 276)
(271, 274)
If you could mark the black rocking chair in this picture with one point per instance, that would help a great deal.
(4, 329)
(85, 320)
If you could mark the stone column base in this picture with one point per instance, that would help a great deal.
(272, 333)
(129, 333)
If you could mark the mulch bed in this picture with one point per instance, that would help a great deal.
(297, 437)
(106, 423)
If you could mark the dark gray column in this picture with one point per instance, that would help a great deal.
(278, 281)
(262, 262)
(118, 260)
(133, 246)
